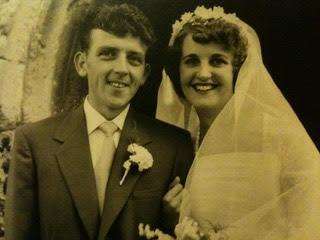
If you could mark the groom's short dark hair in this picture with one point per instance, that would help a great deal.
(118, 19)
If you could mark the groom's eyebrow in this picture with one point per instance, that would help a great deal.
(107, 48)
(136, 53)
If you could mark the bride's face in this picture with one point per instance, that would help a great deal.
(206, 74)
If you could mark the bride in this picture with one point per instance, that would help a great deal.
(256, 172)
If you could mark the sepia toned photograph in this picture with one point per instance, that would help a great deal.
(159, 119)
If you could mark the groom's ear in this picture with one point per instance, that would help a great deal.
(147, 71)
(80, 62)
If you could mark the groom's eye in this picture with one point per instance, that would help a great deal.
(135, 59)
(108, 53)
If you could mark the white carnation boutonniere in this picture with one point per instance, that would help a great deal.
(140, 157)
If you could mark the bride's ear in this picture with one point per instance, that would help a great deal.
(80, 62)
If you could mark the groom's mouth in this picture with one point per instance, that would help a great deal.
(204, 87)
(117, 84)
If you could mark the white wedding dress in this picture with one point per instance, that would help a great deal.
(256, 173)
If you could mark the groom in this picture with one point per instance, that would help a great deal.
(64, 180)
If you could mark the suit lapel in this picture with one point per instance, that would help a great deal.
(75, 163)
(116, 195)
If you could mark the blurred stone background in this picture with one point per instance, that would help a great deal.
(30, 35)
(38, 39)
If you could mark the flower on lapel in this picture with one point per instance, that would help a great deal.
(140, 157)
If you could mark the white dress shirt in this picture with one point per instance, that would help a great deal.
(94, 120)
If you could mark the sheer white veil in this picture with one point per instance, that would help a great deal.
(257, 171)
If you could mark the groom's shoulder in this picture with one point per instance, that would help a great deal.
(43, 126)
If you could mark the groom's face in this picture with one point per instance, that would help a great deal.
(115, 69)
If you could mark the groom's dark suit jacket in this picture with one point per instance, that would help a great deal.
(52, 192)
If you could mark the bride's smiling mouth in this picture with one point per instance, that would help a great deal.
(204, 87)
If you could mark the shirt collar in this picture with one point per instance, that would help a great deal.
(95, 119)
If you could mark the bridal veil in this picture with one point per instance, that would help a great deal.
(257, 172)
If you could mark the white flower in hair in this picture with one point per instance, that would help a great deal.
(177, 26)
(206, 13)
(201, 13)
(186, 16)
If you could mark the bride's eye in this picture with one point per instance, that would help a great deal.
(191, 61)
(218, 61)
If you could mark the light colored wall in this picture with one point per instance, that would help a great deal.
(30, 33)
(30, 37)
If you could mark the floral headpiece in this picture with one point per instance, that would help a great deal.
(204, 14)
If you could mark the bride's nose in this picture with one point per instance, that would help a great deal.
(205, 71)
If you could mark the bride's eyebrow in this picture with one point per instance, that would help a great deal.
(191, 55)
(219, 55)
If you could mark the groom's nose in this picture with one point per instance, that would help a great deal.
(121, 65)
